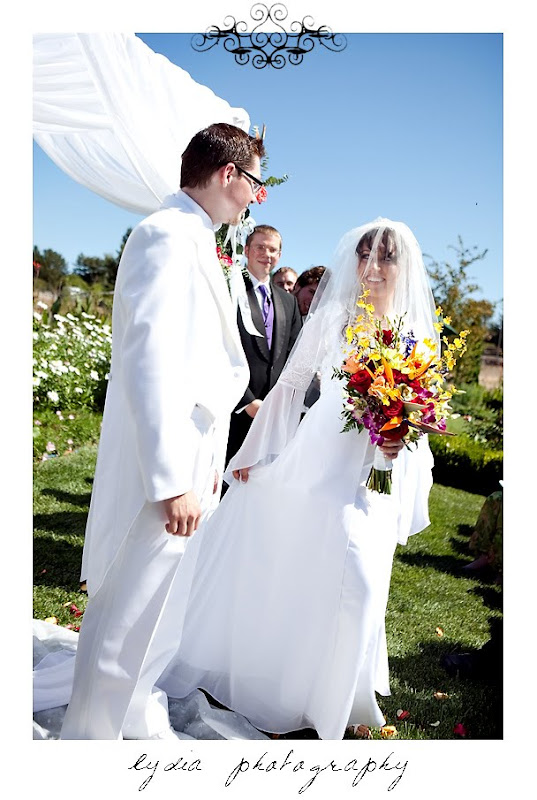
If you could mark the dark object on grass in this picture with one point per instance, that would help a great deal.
(485, 664)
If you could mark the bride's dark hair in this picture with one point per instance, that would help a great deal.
(387, 239)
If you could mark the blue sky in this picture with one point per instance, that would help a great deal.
(402, 125)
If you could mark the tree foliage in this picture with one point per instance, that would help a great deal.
(453, 289)
(94, 270)
(49, 267)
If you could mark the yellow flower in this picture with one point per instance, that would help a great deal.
(447, 320)
(388, 731)
(438, 311)
(438, 326)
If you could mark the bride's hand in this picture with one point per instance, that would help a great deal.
(241, 474)
(391, 449)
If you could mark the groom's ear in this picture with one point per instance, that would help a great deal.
(225, 173)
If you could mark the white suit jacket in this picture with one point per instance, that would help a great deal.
(177, 371)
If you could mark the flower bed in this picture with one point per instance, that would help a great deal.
(71, 361)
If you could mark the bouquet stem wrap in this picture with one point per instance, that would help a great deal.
(380, 477)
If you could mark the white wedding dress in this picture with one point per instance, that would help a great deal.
(285, 621)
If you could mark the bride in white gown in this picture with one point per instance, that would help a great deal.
(285, 618)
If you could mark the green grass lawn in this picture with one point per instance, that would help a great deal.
(428, 592)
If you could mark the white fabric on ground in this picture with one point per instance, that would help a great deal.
(191, 718)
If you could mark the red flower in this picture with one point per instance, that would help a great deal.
(387, 337)
(223, 257)
(402, 715)
(261, 194)
(396, 433)
(75, 610)
(459, 729)
(361, 381)
(394, 409)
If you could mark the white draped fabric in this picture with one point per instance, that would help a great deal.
(116, 117)
(54, 658)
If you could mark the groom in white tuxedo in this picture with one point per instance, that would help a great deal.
(178, 369)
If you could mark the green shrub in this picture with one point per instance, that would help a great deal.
(482, 410)
(463, 463)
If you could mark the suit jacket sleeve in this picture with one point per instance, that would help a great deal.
(158, 297)
(296, 325)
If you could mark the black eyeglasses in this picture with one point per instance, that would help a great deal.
(259, 183)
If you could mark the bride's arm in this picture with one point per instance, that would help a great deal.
(277, 420)
(274, 425)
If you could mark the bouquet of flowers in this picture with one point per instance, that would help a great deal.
(395, 386)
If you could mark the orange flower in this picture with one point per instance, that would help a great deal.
(351, 365)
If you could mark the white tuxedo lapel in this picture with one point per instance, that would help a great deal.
(213, 273)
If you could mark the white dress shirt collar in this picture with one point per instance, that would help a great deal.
(183, 200)
(256, 283)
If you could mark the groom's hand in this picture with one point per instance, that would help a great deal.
(183, 513)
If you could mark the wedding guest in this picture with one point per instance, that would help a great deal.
(160, 452)
(285, 278)
(486, 541)
(305, 288)
(277, 321)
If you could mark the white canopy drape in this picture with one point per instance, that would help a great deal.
(115, 116)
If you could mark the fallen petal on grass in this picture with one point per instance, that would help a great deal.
(440, 696)
(439, 631)
(52, 620)
(460, 730)
(388, 731)
(402, 715)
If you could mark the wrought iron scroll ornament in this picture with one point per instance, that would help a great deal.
(274, 48)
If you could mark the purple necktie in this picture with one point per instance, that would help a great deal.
(268, 313)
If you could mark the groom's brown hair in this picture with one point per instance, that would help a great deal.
(215, 146)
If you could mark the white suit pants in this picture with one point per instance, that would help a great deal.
(131, 628)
